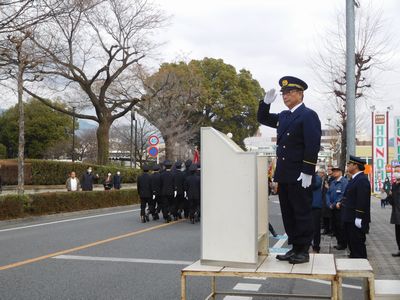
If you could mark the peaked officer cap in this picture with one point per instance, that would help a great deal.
(156, 168)
(193, 167)
(146, 168)
(168, 164)
(291, 83)
(357, 160)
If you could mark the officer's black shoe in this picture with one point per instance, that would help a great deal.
(299, 258)
(285, 256)
(155, 217)
(396, 254)
(175, 218)
(147, 218)
(340, 247)
(143, 219)
(192, 220)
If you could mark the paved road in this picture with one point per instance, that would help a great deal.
(109, 254)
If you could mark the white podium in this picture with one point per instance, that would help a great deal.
(234, 195)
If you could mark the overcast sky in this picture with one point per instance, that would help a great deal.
(273, 38)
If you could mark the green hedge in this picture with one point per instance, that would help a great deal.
(48, 172)
(12, 206)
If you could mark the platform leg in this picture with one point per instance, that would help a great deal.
(369, 288)
(334, 289)
(339, 289)
(183, 286)
(213, 287)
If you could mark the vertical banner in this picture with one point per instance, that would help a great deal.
(379, 150)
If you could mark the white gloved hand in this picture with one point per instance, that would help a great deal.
(184, 194)
(175, 192)
(305, 180)
(357, 222)
(270, 96)
(154, 197)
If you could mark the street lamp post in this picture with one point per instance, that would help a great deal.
(131, 140)
(372, 107)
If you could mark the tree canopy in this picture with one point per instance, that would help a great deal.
(44, 127)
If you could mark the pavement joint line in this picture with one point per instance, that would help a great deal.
(69, 220)
(120, 259)
(36, 259)
(350, 286)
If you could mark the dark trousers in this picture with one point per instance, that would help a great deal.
(397, 231)
(166, 205)
(194, 206)
(143, 202)
(295, 202)
(338, 229)
(316, 214)
(356, 240)
(177, 204)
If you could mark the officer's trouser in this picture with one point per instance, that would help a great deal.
(166, 204)
(143, 202)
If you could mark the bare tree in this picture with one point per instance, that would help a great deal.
(329, 63)
(174, 93)
(91, 49)
(87, 146)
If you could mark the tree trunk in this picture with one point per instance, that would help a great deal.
(103, 142)
(21, 130)
(169, 147)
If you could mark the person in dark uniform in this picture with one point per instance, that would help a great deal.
(145, 192)
(298, 144)
(88, 179)
(167, 191)
(316, 210)
(179, 180)
(356, 206)
(155, 202)
(186, 207)
(117, 180)
(192, 190)
(334, 196)
(326, 212)
(394, 201)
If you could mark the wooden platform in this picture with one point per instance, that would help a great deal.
(320, 266)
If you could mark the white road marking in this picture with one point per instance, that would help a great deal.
(131, 260)
(247, 287)
(350, 286)
(237, 298)
(69, 220)
(279, 243)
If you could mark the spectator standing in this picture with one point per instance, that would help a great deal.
(316, 210)
(117, 180)
(387, 187)
(73, 184)
(333, 196)
(356, 206)
(108, 182)
(394, 199)
(88, 179)
(326, 211)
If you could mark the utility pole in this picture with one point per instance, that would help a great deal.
(350, 80)
(131, 140)
(134, 156)
(73, 134)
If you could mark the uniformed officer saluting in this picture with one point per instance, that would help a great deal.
(298, 144)
(356, 205)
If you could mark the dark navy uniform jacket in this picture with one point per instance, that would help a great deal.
(356, 202)
(144, 186)
(156, 183)
(192, 187)
(167, 183)
(179, 179)
(298, 140)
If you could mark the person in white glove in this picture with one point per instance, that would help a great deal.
(298, 144)
(356, 207)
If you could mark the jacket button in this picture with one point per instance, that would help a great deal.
(283, 158)
(288, 133)
(284, 147)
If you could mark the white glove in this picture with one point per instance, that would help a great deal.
(154, 197)
(270, 96)
(175, 192)
(184, 194)
(357, 222)
(305, 180)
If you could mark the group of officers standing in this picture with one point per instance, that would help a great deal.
(172, 189)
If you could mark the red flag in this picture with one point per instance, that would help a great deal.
(196, 156)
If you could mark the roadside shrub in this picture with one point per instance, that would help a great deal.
(12, 206)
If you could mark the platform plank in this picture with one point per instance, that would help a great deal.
(305, 268)
(198, 267)
(353, 264)
(272, 265)
(324, 264)
(261, 259)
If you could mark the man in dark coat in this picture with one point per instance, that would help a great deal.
(88, 179)
(298, 144)
(145, 192)
(394, 200)
(117, 180)
(356, 206)
(192, 190)
(155, 203)
(179, 179)
(167, 191)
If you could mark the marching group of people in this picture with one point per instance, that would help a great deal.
(170, 190)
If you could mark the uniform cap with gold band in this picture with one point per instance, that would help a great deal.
(292, 83)
(357, 160)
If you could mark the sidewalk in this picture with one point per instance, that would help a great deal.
(381, 243)
(32, 189)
